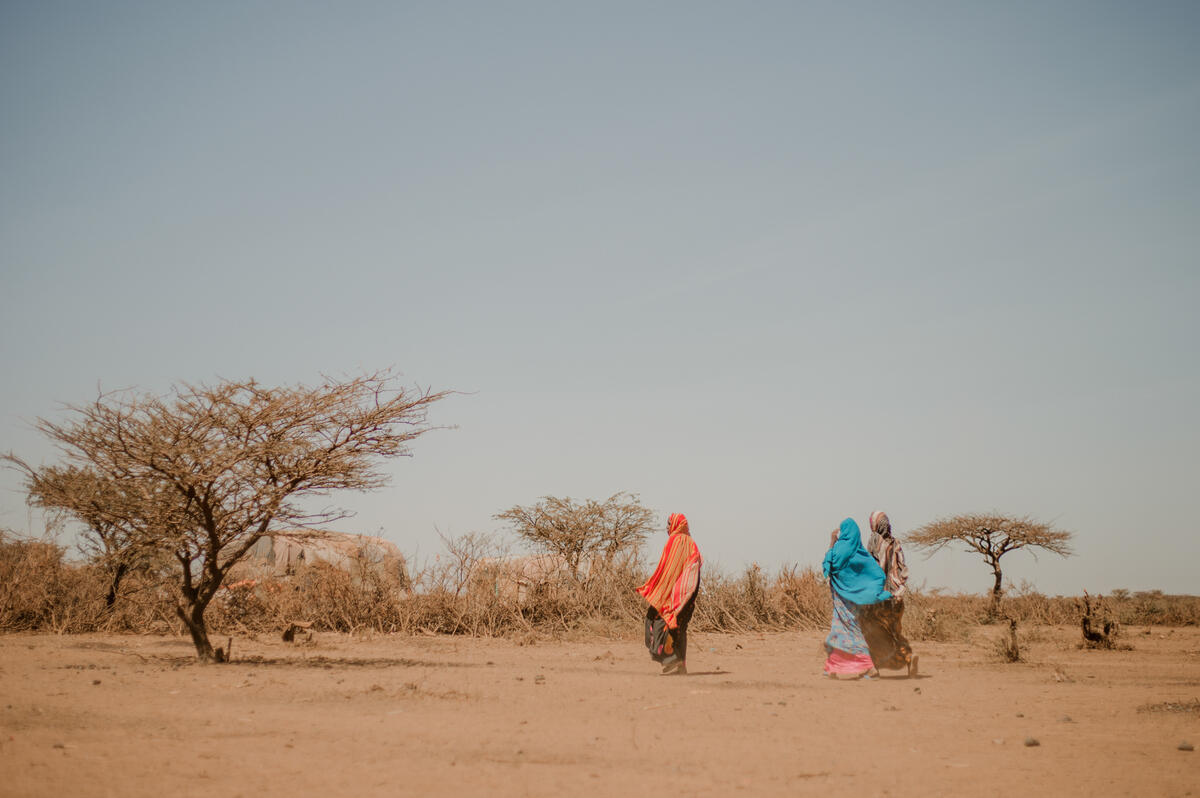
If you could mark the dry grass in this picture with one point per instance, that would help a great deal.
(1192, 706)
(41, 590)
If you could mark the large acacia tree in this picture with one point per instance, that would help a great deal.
(577, 530)
(992, 536)
(204, 472)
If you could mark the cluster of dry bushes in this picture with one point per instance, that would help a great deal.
(41, 590)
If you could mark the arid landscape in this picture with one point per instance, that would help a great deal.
(127, 715)
(385, 381)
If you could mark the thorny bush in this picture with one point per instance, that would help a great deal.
(41, 590)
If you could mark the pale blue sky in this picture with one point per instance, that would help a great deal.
(769, 265)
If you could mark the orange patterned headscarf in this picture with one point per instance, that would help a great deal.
(678, 573)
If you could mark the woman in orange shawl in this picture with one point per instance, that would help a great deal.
(671, 593)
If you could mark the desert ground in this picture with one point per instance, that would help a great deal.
(108, 715)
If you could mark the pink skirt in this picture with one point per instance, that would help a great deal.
(843, 664)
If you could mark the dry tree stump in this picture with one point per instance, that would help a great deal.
(1094, 637)
(1009, 647)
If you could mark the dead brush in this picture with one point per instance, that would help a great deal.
(724, 605)
(1096, 622)
(604, 599)
(1006, 646)
(336, 600)
(1025, 603)
(1154, 608)
(801, 598)
(937, 617)
(40, 591)
(145, 602)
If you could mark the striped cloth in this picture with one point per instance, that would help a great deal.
(677, 575)
(887, 552)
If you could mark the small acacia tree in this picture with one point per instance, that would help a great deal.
(992, 536)
(204, 472)
(114, 536)
(578, 530)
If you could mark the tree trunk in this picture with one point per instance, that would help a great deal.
(115, 585)
(193, 619)
(996, 591)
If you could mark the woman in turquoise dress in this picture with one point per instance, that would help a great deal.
(855, 581)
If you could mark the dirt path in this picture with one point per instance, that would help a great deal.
(132, 716)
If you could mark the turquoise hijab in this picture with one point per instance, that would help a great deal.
(851, 570)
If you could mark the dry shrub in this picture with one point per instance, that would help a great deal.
(934, 615)
(145, 603)
(1006, 647)
(796, 598)
(321, 594)
(721, 604)
(942, 617)
(1154, 608)
(28, 571)
(1098, 623)
(440, 599)
(802, 598)
(732, 604)
(37, 589)
(604, 600)
(41, 590)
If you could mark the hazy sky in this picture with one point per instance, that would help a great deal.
(766, 264)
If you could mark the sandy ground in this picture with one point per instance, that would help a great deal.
(133, 716)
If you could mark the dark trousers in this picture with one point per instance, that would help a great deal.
(679, 634)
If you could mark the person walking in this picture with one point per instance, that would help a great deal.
(671, 593)
(881, 625)
(855, 582)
